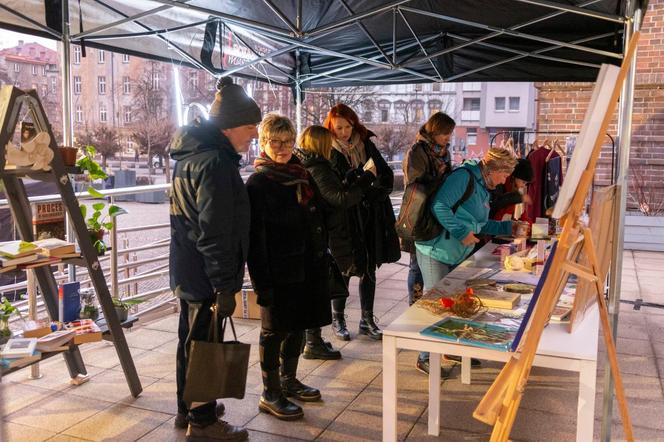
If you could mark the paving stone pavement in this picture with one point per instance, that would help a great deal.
(51, 409)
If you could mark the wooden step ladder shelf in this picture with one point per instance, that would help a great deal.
(14, 102)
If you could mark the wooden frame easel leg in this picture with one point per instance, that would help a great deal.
(589, 248)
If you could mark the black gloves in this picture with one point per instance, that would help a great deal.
(225, 304)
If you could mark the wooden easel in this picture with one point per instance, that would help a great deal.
(500, 404)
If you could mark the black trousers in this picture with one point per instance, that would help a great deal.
(367, 293)
(195, 321)
(276, 344)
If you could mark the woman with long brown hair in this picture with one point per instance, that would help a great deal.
(371, 239)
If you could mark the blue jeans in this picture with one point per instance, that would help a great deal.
(415, 282)
(432, 272)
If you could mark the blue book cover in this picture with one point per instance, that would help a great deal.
(70, 301)
(478, 334)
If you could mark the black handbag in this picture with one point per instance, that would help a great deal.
(216, 368)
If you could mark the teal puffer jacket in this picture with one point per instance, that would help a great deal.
(472, 215)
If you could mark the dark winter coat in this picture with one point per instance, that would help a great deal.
(209, 212)
(288, 259)
(373, 240)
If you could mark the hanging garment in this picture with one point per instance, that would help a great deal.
(553, 181)
(537, 158)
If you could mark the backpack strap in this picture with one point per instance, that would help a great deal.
(470, 188)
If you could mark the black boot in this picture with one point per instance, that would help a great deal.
(368, 326)
(317, 348)
(273, 400)
(292, 387)
(339, 326)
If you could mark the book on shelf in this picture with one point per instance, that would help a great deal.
(48, 220)
(41, 261)
(561, 313)
(69, 301)
(54, 341)
(55, 247)
(13, 262)
(85, 330)
(8, 269)
(19, 347)
(17, 249)
(473, 333)
(8, 363)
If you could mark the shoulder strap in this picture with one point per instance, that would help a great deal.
(470, 188)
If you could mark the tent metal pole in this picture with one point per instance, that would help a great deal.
(67, 126)
(575, 10)
(519, 57)
(511, 33)
(624, 144)
(365, 31)
(31, 21)
(298, 94)
(492, 35)
(356, 17)
(282, 17)
(119, 22)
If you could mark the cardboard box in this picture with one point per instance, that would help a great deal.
(36, 329)
(246, 305)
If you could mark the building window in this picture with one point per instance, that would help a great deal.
(193, 79)
(79, 114)
(127, 114)
(515, 103)
(418, 87)
(471, 136)
(102, 113)
(125, 58)
(471, 104)
(44, 90)
(102, 56)
(499, 104)
(53, 81)
(155, 80)
(384, 113)
(101, 83)
(44, 71)
(435, 87)
(126, 85)
(34, 69)
(475, 86)
(77, 84)
(17, 67)
(77, 55)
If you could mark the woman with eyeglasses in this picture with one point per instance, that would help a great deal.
(371, 239)
(288, 263)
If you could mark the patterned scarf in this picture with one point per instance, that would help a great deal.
(289, 174)
(440, 156)
(353, 150)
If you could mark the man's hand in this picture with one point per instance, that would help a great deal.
(470, 239)
(225, 304)
(525, 199)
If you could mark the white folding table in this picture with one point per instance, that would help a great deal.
(557, 349)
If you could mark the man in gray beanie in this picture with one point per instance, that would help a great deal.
(209, 211)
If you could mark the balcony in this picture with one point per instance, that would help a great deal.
(470, 115)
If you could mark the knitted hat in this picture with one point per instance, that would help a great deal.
(232, 107)
(523, 170)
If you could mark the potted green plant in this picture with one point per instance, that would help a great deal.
(98, 222)
(6, 311)
(122, 307)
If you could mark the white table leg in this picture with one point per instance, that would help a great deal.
(434, 394)
(389, 389)
(585, 418)
(465, 370)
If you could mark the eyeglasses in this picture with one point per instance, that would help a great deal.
(276, 143)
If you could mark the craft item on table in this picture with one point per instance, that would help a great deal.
(19, 347)
(55, 341)
(472, 333)
(493, 298)
(464, 304)
(468, 272)
(517, 263)
(480, 282)
(540, 230)
(35, 153)
(518, 287)
(561, 314)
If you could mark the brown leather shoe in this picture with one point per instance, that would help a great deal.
(219, 430)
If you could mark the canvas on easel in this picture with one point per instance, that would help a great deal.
(501, 402)
(602, 225)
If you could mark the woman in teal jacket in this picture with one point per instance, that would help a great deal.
(461, 206)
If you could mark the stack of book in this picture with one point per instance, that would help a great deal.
(19, 352)
(28, 255)
(15, 253)
(85, 330)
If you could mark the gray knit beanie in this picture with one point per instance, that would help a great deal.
(232, 107)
